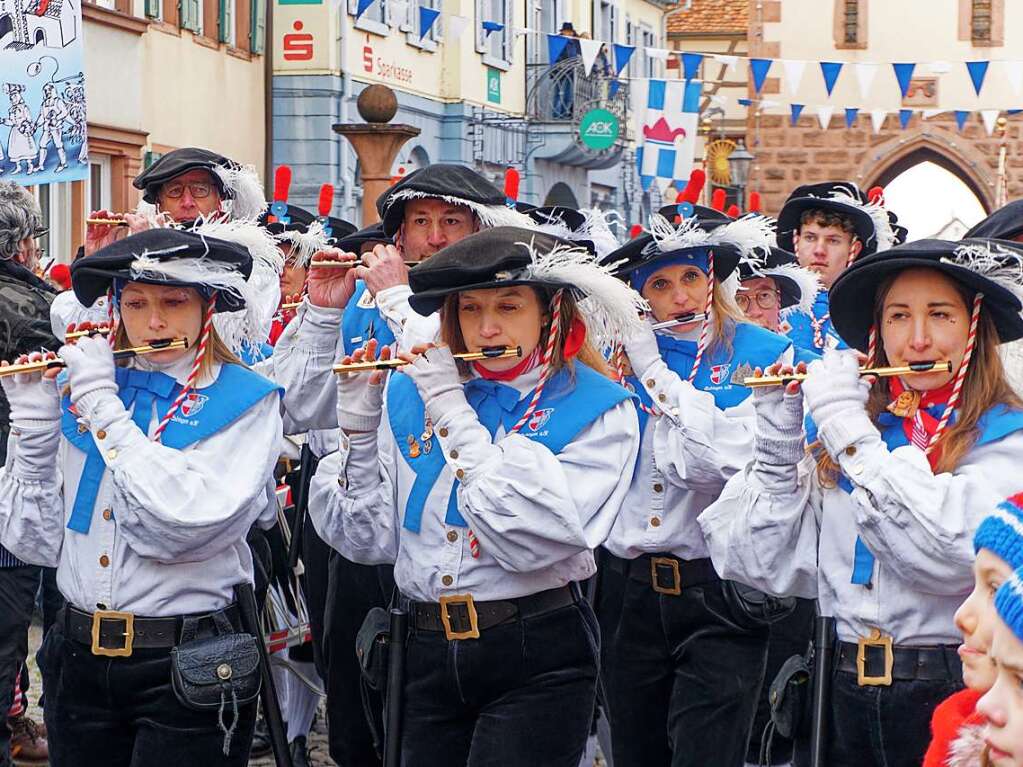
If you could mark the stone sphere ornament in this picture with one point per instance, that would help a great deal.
(377, 104)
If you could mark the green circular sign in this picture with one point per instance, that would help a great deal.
(599, 129)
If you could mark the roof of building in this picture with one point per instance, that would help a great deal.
(711, 17)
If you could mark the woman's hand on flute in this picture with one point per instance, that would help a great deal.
(435, 372)
(779, 369)
(90, 367)
(779, 438)
(360, 398)
(833, 386)
(32, 396)
(330, 287)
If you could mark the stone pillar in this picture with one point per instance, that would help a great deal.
(376, 144)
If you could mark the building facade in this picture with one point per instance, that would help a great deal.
(160, 75)
(487, 99)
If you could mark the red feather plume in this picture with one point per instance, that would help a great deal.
(326, 199)
(282, 183)
(733, 210)
(511, 184)
(717, 200)
(635, 231)
(694, 188)
(876, 194)
(754, 202)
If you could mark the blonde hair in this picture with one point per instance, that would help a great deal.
(985, 386)
(451, 332)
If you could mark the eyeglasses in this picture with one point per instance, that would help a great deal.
(766, 299)
(198, 190)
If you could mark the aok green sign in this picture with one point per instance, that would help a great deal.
(599, 129)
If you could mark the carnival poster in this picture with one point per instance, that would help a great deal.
(42, 92)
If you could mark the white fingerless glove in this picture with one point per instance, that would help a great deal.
(435, 374)
(642, 350)
(833, 387)
(90, 367)
(359, 402)
(32, 398)
(779, 438)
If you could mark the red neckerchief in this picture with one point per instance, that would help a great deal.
(525, 366)
(928, 399)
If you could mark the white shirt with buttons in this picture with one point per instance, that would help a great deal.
(776, 528)
(168, 527)
(537, 515)
(687, 455)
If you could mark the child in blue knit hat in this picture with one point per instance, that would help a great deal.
(1003, 704)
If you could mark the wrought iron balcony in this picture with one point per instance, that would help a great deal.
(563, 93)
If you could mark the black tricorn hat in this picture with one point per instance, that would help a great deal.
(339, 228)
(299, 220)
(844, 198)
(126, 259)
(797, 286)
(456, 184)
(991, 267)
(1006, 223)
(354, 241)
(706, 214)
(179, 161)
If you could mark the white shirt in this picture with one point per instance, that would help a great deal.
(537, 515)
(775, 528)
(66, 310)
(175, 542)
(687, 455)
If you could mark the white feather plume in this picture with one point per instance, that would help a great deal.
(489, 215)
(247, 199)
(750, 235)
(305, 245)
(884, 235)
(598, 230)
(992, 261)
(807, 282)
(610, 308)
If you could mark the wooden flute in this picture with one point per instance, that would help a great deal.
(917, 367)
(119, 354)
(494, 353)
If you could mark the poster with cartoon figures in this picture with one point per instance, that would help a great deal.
(42, 92)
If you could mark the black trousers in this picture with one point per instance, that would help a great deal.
(122, 712)
(18, 587)
(879, 726)
(352, 591)
(682, 673)
(789, 636)
(521, 694)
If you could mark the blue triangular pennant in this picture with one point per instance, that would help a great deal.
(978, 71)
(744, 102)
(612, 89)
(905, 115)
(850, 116)
(426, 18)
(622, 55)
(691, 65)
(759, 68)
(1012, 112)
(491, 26)
(903, 73)
(555, 47)
(830, 70)
(797, 109)
(961, 115)
(362, 6)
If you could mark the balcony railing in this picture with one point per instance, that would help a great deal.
(563, 93)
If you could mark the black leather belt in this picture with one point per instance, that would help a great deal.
(935, 663)
(114, 633)
(665, 573)
(461, 617)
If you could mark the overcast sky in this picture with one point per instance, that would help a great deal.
(927, 197)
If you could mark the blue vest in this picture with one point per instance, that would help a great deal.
(250, 355)
(362, 321)
(996, 423)
(799, 354)
(801, 329)
(204, 412)
(566, 407)
(720, 374)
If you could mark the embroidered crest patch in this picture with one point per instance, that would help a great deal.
(193, 404)
(539, 418)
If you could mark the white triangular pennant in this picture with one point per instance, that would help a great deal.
(523, 31)
(793, 73)
(929, 113)
(399, 10)
(663, 184)
(865, 74)
(877, 119)
(939, 67)
(589, 50)
(454, 28)
(990, 117)
(824, 115)
(718, 99)
(769, 104)
(1014, 74)
(661, 54)
(730, 62)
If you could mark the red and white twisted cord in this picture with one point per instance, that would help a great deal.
(872, 346)
(204, 340)
(110, 317)
(619, 357)
(818, 328)
(708, 310)
(971, 341)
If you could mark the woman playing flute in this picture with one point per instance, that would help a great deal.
(877, 521)
(682, 658)
(139, 484)
(488, 484)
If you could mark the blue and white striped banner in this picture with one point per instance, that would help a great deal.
(666, 131)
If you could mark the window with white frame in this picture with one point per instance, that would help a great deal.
(410, 25)
(496, 46)
(647, 39)
(374, 19)
(605, 20)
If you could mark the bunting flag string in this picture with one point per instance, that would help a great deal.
(427, 17)
(978, 71)
(903, 74)
(830, 70)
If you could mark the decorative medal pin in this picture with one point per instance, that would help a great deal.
(906, 404)
(427, 436)
(413, 446)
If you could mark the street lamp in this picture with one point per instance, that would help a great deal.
(739, 162)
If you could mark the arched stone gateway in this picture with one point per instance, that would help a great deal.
(561, 194)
